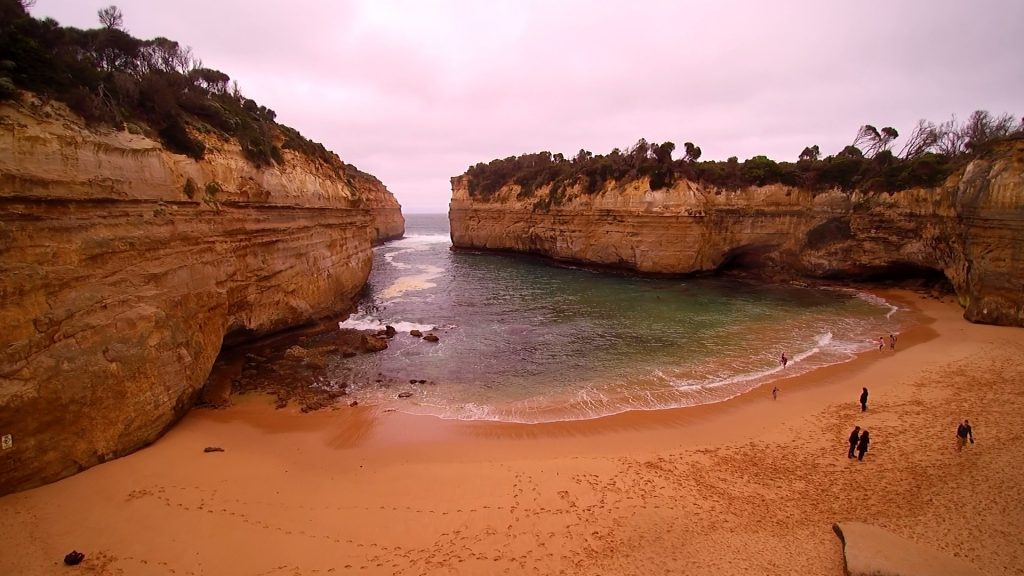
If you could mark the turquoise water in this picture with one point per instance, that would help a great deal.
(522, 340)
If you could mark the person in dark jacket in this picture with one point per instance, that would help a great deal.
(854, 437)
(963, 431)
(864, 400)
(862, 445)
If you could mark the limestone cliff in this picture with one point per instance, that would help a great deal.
(386, 214)
(123, 269)
(971, 229)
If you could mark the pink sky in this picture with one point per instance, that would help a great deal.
(415, 92)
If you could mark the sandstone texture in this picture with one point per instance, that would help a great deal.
(872, 551)
(124, 268)
(385, 212)
(970, 229)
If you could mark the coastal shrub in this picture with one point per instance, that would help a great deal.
(190, 189)
(176, 138)
(7, 89)
(109, 77)
(212, 189)
(849, 169)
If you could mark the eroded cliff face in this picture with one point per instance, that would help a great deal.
(385, 211)
(124, 267)
(971, 229)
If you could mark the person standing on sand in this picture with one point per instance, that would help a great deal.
(892, 342)
(962, 432)
(775, 393)
(854, 437)
(862, 445)
(864, 400)
(783, 360)
(881, 343)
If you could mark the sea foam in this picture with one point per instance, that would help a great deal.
(364, 321)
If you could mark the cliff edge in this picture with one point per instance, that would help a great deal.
(124, 267)
(969, 229)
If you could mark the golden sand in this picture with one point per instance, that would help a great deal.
(748, 486)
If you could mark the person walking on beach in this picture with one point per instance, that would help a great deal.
(963, 431)
(854, 437)
(881, 343)
(862, 445)
(783, 360)
(775, 393)
(864, 400)
(892, 342)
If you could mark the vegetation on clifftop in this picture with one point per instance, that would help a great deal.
(927, 157)
(152, 86)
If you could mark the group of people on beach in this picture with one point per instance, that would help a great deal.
(892, 342)
(859, 439)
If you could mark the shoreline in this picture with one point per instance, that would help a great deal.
(748, 485)
(564, 408)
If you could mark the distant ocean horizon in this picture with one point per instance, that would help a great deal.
(522, 340)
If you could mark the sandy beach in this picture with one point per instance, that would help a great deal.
(748, 486)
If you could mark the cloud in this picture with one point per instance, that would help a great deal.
(415, 92)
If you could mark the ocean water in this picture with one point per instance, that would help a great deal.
(522, 340)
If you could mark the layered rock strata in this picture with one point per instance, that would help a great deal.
(970, 229)
(124, 268)
(385, 212)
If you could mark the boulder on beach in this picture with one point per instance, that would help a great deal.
(389, 331)
(315, 357)
(872, 551)
(374, 343)
(431, 338)
(404, 394)
(416, 333)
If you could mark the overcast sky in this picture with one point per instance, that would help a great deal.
(415, 92)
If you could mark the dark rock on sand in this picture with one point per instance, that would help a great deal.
(353, 403)
(872, 551)
(374, 343)
(74, 558)
(431, 338)
(389, 331)
(404, 394)
(213, 449)
(416, 333)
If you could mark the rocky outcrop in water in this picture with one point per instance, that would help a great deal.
(970, 229)
(124, 269)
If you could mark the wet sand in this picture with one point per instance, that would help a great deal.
(747, 486)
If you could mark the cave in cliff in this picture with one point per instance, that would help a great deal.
(905, 274)
(749, 258)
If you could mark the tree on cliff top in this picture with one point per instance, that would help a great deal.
(111, 18)
(810, 153)
(692, 152)
(157, 86)
(921, 163)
